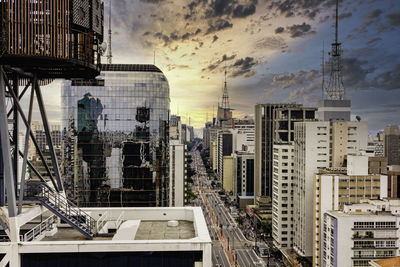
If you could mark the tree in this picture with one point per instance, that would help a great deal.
(191, 195)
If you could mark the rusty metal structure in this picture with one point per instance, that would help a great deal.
(52, 38)
(41, 40)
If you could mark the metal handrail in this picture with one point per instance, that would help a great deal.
(101, 221)
(38, 229)
(119, 220)
(68, 207)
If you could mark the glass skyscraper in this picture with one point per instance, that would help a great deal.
(115, 138)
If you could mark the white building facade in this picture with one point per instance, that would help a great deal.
(282, 195)
(361, 233)
(177, 168)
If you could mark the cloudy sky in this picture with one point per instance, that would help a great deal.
(271, 49)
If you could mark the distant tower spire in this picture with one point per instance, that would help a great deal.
(225, 96)
(335, 89)
(109, 52)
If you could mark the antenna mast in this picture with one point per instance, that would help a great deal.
(109, 53)
(225, 96)
(335, 89)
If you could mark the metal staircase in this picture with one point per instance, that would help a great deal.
(67, 211)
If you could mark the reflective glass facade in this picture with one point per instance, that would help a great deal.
(115, 141)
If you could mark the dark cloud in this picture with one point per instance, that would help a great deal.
(243, 67)
(373, 40)
(345, 15)
(215, 38)
(394, 18)
(218, 25)
(291, 80)
(279, 30)
(216, 64)
(220, 7)
(299, 30)
(177, 66)
(242, 11)
(162, 37)
(304, 8)
(374, 14)
(389, 80)
(355, 72)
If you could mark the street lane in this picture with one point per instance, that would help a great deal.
(233, 239)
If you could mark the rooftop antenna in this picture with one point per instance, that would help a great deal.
(154, 57)
(109, 53)
(225, 96)
(335, 89)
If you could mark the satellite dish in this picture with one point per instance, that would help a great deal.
(358, 118)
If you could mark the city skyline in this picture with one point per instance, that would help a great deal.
(271, 50)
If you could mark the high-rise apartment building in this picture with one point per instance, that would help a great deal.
(244, 185)
(392, 144)
(117, 128)
(177, 168)
(224, 148)
(320, 144)
(334, 188)
(375, 147)
(243, 135)
(282, 195)
(229, 167)
(273, 122)
(175, 128)
(206, 135)
(311, 151)
(361, 233)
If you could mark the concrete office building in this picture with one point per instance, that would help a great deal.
(273, 122)
(239, 175)
(320, 144)
(229, 173)
(361, 233)
(377, 165)
(243, 135)
(224, 148)
(189, 133)
(244, 185)
(214, 155)
(124, 237)
(393, 173)
(118, 128)
(177, 168)
(311, 151)
(334, 188)
(282, 195)
(206, 135)
(375, 146)
(334, 110)
(175, 128)
(392, 144)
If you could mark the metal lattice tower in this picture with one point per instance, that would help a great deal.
(335, 89)
(109, 52)
(225, 96)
